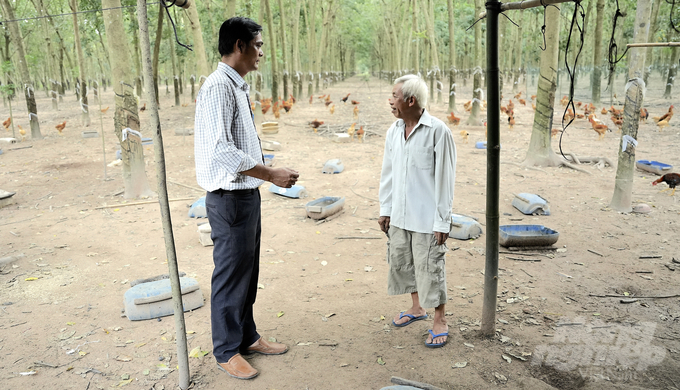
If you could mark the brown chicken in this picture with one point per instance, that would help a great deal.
(60, 127)
(292, 99)
(354, 102)
(327, 103)
(327, 99)
(356, 112)
(350, 131)
(618, 122)
(511, 120)
(332, 109)
(599, 127)
(665, 117)
(662, 124)
(311, 99)
(579, 104)
(315, 124)
(604, 111)
(564, 101)
(287, 105)
(467, 106)
(569, 115)
(533, 97)
(276, 110)
(522, 102)
(360, 134)
(533, 106)
(554, 132)
(105, 109)
(672, 179)
(511, 105)
(644, 114)
(454, 120)
(7, 123)
(344, 100)
(143, 108)
(580, 116)
(519, 95)
(22, 132)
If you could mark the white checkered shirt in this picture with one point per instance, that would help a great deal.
(225, 137)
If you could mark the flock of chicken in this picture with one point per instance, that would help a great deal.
(351, 131)
(588, 112)
(60, 127)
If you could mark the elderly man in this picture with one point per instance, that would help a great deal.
(230, 166)
(416, 198)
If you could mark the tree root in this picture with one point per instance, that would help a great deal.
(599, 162)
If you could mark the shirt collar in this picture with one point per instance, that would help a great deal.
(234, 76)
(425, 120)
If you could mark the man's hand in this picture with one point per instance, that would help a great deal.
(284, 177)
(384, 223)
(441, 237)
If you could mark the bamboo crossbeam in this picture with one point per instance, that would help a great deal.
(526, 4)
(650, 44)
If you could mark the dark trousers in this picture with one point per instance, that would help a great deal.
(234, 217)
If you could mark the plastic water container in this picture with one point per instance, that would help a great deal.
(341, 138)
(294, 192)
(90, 134)
(197, 209)
(531, 204)
(268, 159)
(154, 299)
(270, 145)
(653, 167)
(480, 145)
(464, 227)
(324, 207)
(527, 235)
(333, 166)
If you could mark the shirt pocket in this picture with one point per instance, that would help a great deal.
(423, 157)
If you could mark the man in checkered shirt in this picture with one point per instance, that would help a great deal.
(230, 167)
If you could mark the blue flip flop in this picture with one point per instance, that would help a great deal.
(434, 336)
(411, 317)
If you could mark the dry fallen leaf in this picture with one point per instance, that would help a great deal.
(381, 361)
(279, 314)
(197, 353)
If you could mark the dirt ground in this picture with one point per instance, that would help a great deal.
(61, 304)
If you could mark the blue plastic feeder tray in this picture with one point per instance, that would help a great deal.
(527, 235)
(324, 207)
(294, 192)
(154, 299)
(653, 167)
(197, 209)
(481, 145)
(531, 204)
(464, 228)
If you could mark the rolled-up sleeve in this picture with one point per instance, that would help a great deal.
(445, 178)
(385, 192)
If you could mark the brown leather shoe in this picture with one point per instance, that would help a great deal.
(267, 347)
(238, 368)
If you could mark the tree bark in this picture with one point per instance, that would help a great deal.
(284, 49)
(672, 72)
(85, 116)
(202, 66)
(297, 88)
(474, 118)
(623, 187)
(416, 43)
(653, 27)
(272, 44)
(175, 71)
(540, 152)
(452, 59)
(596, 81)
(157, 50)
(51, 61)
(517, 68)
(29, 91)
(126, 114)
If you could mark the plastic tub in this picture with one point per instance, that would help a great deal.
(653, 167)
(294, 192)
(531, 204)
(197, 209)
(527, 235)
(464, 228)
(154, 299)
(324, 207)
(333, 166)
(270, 145)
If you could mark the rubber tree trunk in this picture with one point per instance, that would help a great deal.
(297, 74)
(231, 9)
(170, 252)
(540, 152)
(416, 49)
(672, 72)
(51, 64)
(127, 113)
(27, 84)
(157, 50)
(452, 58)
(311, 45)
(596, 81)
(272, 44)
(202, 66)
(623, 187)
(517, 68)
(175, 72)
(474, 118)
(653, 27)
(85, 116)
(284, 49)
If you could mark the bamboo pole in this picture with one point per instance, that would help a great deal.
(527, 4)
(180, 328)
(659, 44)
(138, 203)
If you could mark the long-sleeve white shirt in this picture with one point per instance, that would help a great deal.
(418, 176)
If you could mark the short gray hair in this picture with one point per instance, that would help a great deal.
(413, 86)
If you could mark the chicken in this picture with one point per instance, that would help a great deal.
(615, 112)
(504, 109)
(360, 134)
(315, 124)
(662, 124)
(344, 100)
(287, 104)
(292, 99)
(522, 102)
(7, 123)
(579, 104)
(569, 115)
(350, 131)
(187, 105)
(143, 108)
(644, 114)
(276, 110)
(321, 97)
(105, 109)
(465, 135)
(599, 127)
(604, 111)
(665, 117)
(468, 106)
(618, 122)
(311, 99)
(519, 95)
(22, 132)
(327, 103)
(511, 105)
(533, 97)
(672, 179)
(580, 116)
(356, 112)
(511, 120)
(327, 99)
(354, 102)
(533, 106)
(454, 120)
(266, 105)
(332, 109)
(564, 101)
(554, 132)
(60, 127)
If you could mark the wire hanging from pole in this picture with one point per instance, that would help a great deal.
(545, 6)
(672, 3)
(613, 48)
(172, 22)
(578, 9)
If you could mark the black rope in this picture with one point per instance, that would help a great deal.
(613, 48)
(473, 24)
(188, 47)
(545, 7)
(672, 3)
(578, 9)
